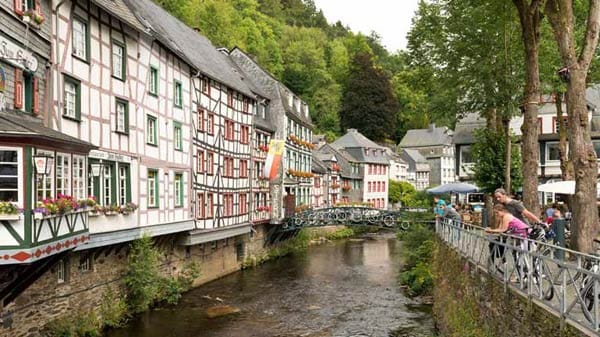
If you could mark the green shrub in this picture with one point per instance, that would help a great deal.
(80, 325)
(142, 279)
(170, 290)
(113, 310)
(418, 248)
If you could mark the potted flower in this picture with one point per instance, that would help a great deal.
(346, 188)
(111, 210)
(34, 16)
(96, 210)
(88, 202)
(8, 211)
(128, 208)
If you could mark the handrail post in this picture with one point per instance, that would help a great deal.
(559, 228)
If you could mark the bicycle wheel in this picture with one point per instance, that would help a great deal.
(541, 279)
(587, 305)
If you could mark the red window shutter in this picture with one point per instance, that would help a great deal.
(18, 4)
(18, 89)
(36, 96)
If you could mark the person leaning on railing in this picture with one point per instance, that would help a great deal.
(515, 207)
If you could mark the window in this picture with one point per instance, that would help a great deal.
(210, 162)
(227, 204)
(597, 148)
(201, 120)
(63, 174)
(107, 186)
(178, 190)
(200, 158)
(229, 129)
(178, 136)
(243, 204)
(556, 123)
(205, 86)
(122, 112)
(21, 6)
(152, 188)
(244, 130)
(200, 206)
(26, 95)
(151, 130)
(61, 272)
(465, 155)
(552, 152)
(79, 178)
(119, 60)
(245, 105)
(80, 39)
(124, 191)
(153, 85)
(210, 128)
(178, 95)
(228, 167)
(85, 263)
(9, 175)
(209, 205)
(243, 168)
(72, 98)
(230, 98)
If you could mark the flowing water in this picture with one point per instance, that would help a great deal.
(343, 289)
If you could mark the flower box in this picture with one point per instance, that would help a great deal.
(9, 217)
(110, 213)
(93, 213)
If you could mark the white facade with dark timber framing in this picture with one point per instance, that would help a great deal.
(120, 89)
(221, 110)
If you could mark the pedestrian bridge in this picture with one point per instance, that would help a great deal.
(349, 215)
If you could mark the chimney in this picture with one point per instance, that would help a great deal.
(351, 131)
(431, 127)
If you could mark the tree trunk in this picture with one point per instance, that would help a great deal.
(566, 167)
(582, 154)
(530, 18)
(585, 166)
(507, 155)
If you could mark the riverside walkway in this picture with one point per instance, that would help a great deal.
(562, 281)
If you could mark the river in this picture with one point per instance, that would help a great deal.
(347, 288)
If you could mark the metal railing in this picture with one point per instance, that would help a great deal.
(560, 280)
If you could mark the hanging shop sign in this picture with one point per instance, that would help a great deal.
(96, 154)
(16, 55)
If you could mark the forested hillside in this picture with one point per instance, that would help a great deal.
(340, 74)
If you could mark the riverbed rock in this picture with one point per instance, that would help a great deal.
(221, 310)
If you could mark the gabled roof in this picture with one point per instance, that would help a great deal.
(326, 153)
(432, 136)
(361, 148)
(120, 10)
(353, 138)
(318, 166)
(192, 47)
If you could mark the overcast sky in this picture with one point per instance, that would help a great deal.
(389, 18)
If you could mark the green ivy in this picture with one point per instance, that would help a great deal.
(142, 279)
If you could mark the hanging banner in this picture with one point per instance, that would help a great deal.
(273, 162)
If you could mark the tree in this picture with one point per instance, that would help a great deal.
(488, 169)
(369, 104)
(576, 59)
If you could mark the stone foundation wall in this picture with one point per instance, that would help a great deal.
(82, 291)
(468, 302)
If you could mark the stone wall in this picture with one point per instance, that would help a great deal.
(83, 291)
(468, 302)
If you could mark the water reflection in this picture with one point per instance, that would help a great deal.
(339, 289)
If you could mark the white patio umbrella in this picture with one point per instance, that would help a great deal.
(562, 187)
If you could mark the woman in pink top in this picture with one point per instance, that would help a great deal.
(508, 224)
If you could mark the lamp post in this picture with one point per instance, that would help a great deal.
(43, 164)
(96, 169)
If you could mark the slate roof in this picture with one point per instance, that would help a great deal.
(354, 143)
(415, 161)
(119, 9)
(17, 124)
(432, 136)
(192, 47)
(465, 128)
(344, 160)
(318, 166)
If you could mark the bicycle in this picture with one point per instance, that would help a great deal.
(540, 279)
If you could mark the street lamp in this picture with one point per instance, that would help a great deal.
(43, 164)
(96, 169)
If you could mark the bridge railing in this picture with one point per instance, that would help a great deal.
(560, 280)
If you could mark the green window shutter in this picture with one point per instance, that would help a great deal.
(156, 185)
(124, 60)
(128, 179)
(87, 41)
(78, 100)
(127, 122)
(177, 135)
(113, 184)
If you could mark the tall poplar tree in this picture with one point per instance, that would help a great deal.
(369, 104)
